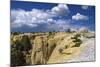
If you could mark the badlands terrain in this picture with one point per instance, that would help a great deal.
(51, 47)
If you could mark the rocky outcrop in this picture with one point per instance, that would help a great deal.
(38, 49)
(20, 49)
(35, 49)
(44, 48)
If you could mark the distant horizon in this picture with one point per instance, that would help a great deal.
(48, 17)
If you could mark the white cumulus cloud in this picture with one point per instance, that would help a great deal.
(36, 17)
(59, 25)
(79, 16)
(28, 18)
(60, 9)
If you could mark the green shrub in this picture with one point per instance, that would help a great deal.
(15, 33)
(76, 40)
(25, 43)
(68, 30)
(60, 50)
(74, 37)
(77, 35)
(66, 46)
(77, 44)
(17, 57)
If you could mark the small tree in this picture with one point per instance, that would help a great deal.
(15, 33)
(68, 30)
(50, 33)
(25, 43)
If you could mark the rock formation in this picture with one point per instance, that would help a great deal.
(43, 48)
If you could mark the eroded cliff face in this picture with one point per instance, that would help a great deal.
(44, 48)
(33, 48)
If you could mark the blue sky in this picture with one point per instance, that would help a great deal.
(44, 17)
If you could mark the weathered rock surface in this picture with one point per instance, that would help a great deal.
(45, 48)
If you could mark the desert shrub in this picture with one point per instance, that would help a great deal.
(13, 56)
(68, 30)
(15, 33)
(76, 40)
(66, 46)
(77, 44)
(60, 50)
(25, 43)
(17, 57)
(32, 37)
(50, 33)
(74, 37)
(17, 48)
(77, 35)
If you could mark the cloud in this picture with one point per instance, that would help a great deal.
(35, 17)
(29, 18)
(60, 25)
(84, 7)
(60, 9)
(41, 20)
(79, 16)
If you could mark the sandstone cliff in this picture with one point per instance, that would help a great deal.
(45, 48)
